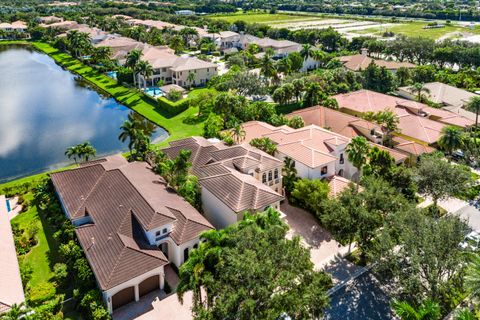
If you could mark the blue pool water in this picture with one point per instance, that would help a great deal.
(154, 92)
(8, 206)
(112, 74)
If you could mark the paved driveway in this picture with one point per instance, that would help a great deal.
(323, 248)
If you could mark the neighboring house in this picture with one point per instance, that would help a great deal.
(281, 48)
(16, 26)
(11, 288)
(129, 224)
(361, 61)
(352, 126)
(167, 66)
(96, 35)
(224, 39)
(62, 25)
(318, 153)
(449, 97)
(233, 179)
(49, 19)
(417, 121)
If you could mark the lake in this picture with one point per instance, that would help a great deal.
(45, 109)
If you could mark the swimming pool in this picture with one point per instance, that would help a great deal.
(8, 205)
(154, 92)
(112, 74)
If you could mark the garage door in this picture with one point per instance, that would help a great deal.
(148, 285)
(123, 297)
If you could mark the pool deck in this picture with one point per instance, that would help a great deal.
(11, 289)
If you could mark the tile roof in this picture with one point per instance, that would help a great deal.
(361, 62)
(124, 199)
(11, 289)
(337, 184)
(411, 147)
(416, 120)
(224, 171)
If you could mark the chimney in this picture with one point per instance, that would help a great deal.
(364, 52)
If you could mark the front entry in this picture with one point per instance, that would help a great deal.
(123, 297)
(164, 248)
(148, 285)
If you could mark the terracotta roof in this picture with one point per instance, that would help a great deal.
(337, 184)
(416, 120)
(124, 199)
(411, 147)
(344, 124)
(361, 62)
(224, 171)
(11, 289)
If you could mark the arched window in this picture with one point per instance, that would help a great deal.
(269, 175)
(340, 172)
(264, 177)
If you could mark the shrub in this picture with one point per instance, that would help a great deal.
(60, 272)
(41, 293)
(173, 108)
(26, 271)
(174, 95)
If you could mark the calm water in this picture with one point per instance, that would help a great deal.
(44, 110)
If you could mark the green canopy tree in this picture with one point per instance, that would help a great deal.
(357, 153)
(474, 106)
(451, 139)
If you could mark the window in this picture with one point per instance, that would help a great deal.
(185, 254)
(340, 172)
(275, 174)
(164, 230)
(208, 70)
(269, 175)
(164, 69)
(342, 160)
(195, 246)
(324, 170)
(372, 132)
(264, 177)
(157, 233)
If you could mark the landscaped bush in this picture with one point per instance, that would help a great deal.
(92, 305)
(25, 239)
(41, 293)
(173, 108)
(174, 95)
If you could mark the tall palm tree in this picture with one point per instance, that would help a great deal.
(357, 153)
(389, 124)
(474, 106)
(190, 78)
(319, 56)
(132, 60)
(267, 67)
(72, 152)
(129, 130)
(289, 173)
(145, 69)
(313, 94)
(176, 43)
(306, 51)
(472, 277)
(419, 89)
(101, 53)
(79, 42)
(238, 133)
(428, 310)
(86, 150)
(451, 139)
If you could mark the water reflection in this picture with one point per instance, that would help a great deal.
(44, 110)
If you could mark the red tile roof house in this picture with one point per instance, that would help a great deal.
(352, 126)
(129, 225)
(417, 122)
(318, 153)
(233, 179)
(359, 62)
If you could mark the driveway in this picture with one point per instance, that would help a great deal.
(323, 248)
(362, 299)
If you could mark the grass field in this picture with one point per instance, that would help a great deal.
(263, 18)
(415, 29)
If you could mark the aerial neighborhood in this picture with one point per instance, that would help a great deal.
(214, 160)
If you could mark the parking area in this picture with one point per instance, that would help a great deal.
(323, 248)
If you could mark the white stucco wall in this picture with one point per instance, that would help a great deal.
(216, 212)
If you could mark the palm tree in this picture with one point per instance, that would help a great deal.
(306, 51)
(474, 106)
(79, 42)
(129, 131)
(313, 95)
(418, 89)
(451, 139)
(176, 43)
(289, 173)
(86, 150)
(357, 152)
(238, 133)
(319, 56)
(190, 78)
(132, 60)
(267, 67)
(389, 124)
(472, 277)
(72, 152)
(284, 66)
(428, 310)
(17, 311)
(145, 69)
(101, 53)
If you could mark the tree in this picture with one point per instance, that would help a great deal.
(145, 69)
(296, 122)
(419, 89)
(132, 60)
(451, 139)
(86, 150)
(250, 270)
(403, 76)
(190, 78)
(439, 179)
(474, 106)
(472, 277)
(296, 61)
(174, 171)
(428, 310)
(298, 87)
(238, 133)
(388, 121)
(380, 163)
(265, 144)
(176, 43)
(213, 125)
(268, 68)
(357, 153)
(17, 311)
(313, 95)
(306, 51)
(289, 173)
(73, 152)
(378, 78)
(129, 131)
(310, 194)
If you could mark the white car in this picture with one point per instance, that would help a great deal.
(471, 242)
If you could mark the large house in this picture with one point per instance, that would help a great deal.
(318, 153)
(129, 224)
(352, 126)
(233, 179)
(168, 67)
(49, 19)
(16, 26)
(449, 97)
(417, 121)
(361, 61)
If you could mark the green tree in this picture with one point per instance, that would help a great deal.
(428, 310)
(265, 144)
(238, 133)
(419, 90)
(73, 152)
(296, 61)
(289, 173)
(145, 69)
(213, 126)
(451, 139)
(313, 95)
(310, 194)
(474, 106)
(249, 270)
(357, 153)
(472, 277)
(296, 122)
(131, 62)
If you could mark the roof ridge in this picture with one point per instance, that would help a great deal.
(93, 187)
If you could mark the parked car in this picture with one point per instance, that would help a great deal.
(471, 242)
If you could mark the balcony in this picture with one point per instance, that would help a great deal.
(163, 236)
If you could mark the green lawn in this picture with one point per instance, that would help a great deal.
(131, 98)
(415, 29)
(262, 17)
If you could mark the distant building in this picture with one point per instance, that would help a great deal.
(184, 12)
(361, 61)
(16, 26)
(49, 19)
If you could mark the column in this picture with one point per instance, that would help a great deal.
(137, 293)
(162, 280)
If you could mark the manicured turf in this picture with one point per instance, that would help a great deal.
(415, 29)
(129, 97)
(262, 17)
